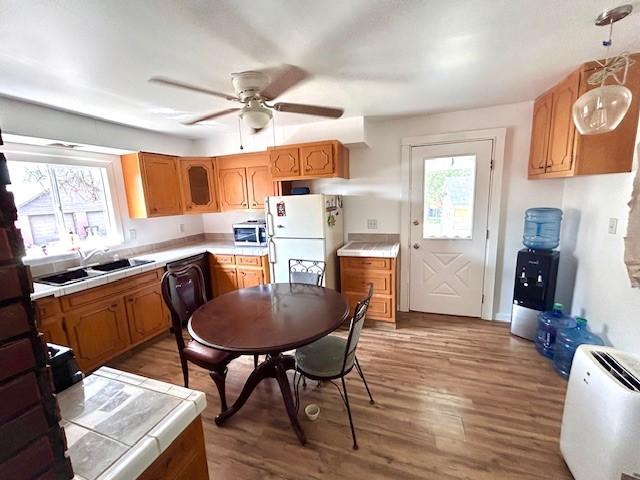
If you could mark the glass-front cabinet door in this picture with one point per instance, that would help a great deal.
(198, 185)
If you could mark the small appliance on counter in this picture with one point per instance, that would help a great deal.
(536, 270)
(64, 368)
(252, 233)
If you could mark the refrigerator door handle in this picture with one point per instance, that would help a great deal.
(272, 251)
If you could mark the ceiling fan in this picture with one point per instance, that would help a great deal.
(255, 90)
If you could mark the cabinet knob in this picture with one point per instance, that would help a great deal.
(416, 222)
(254, 204)
(154, 209)
(416, 246)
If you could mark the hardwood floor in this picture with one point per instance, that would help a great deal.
(455, 399)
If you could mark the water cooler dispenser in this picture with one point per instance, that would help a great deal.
(534, 290)
(536, 270)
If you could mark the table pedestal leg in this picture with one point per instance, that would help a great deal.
(275, 366)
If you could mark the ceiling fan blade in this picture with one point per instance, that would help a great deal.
(195, 88)
(209, 116)
(286, 77)
(308, 109)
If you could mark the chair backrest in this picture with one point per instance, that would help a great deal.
(183, 291)
(355, 327)
(310, 272)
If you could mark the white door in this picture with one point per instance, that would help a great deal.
(450, 186)
(296, 216)
(283, 249)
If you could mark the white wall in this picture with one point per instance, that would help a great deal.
(602, 290)
(21, 118)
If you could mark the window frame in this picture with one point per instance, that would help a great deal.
(64, 156)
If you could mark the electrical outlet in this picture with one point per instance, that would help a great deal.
(372, 224)
(613, 226)
(132, 234)
(181, 228)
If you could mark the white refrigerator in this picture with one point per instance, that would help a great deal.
(308, 227)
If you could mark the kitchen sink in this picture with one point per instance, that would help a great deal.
(74, 275)
(119, 265)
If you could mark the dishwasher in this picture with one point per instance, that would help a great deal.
(201, 261)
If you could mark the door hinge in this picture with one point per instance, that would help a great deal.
(487, 234)
(491, 164)
(482, 301)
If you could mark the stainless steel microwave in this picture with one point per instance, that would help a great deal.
(250, 233)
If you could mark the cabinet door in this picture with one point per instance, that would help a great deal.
(317, 160)
(562, 131)
(98, 332)
(259, 185)
(146, 314)
(52, 330)
(198, 185)
(540, 135)
(161, 185)
(224, 280)
(250, 277)
(233, 189)
(284, 163)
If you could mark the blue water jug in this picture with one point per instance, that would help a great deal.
(542, 228)
(548, 325)
(567, 342)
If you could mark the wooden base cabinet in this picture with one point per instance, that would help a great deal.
(231, 272)
(559, 150)
(357, 273)
(103, 322)
(98, 332)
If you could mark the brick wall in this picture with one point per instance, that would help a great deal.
(32, 443)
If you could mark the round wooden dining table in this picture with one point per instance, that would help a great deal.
(268, 320)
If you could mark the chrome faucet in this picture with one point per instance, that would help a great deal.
(89, 254)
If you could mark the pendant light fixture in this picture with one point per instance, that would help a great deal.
(601, 109)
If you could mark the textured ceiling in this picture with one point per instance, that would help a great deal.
(372, 57)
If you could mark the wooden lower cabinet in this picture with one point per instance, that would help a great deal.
(98, 332)
(231, 272)
(357, 273)
(146, 314)
(102, 322)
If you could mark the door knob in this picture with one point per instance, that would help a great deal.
(416, 246)
(416, 222)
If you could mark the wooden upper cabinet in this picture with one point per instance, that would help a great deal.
(284, 163)
(559, 150)
(309, 160)
(198, 182)
(259, 186)
(233, 188)
(540, 135)
(562, 130)
(151, 184)
(244, 180)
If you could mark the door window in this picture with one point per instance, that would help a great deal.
(449, 188)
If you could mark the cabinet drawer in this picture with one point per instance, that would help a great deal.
(358, 281)
(125, 285)
(246, 260)
(379, 307)
(367, 263)
(224, 259)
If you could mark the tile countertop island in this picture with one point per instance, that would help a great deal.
(117, 424)
(370, 249)
(159, 259)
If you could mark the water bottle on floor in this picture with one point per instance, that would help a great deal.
(567, 342)
(548, 325)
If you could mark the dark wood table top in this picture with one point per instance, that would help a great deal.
(268, 318)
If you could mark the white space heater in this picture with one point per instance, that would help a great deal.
(600, 437)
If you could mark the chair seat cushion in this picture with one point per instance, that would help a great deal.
(324, 357)
(207, 357)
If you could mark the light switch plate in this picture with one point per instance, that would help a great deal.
(372, 224)
(181, 228)
(613, 226)
(132, 234)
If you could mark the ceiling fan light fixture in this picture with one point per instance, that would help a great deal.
(256, 116)
(602, 109)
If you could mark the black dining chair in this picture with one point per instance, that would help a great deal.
(183, 292)
(310, 272)
(333, 357)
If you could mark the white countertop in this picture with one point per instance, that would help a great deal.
(160, 259)
(370, 249)
(117, 423)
